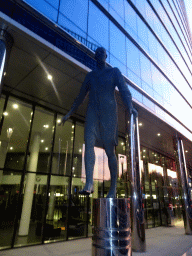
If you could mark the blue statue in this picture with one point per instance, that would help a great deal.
(101, 124)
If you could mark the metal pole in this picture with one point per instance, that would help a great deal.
(183, 178)
(137, 210)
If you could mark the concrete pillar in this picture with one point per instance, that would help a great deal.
(29, 187)
(6, 42)
(50, 213)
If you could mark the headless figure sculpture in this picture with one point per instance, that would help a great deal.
(101, 124)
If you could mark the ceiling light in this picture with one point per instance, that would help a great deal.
(46, 148)
(144, 150)
(140, 124)
(122, 143)
(186, 151)
(42, 141)
(5, 113)
(11, 148)
(15, 106)
(59, 121)
(80, 150)
(5, 73)
(158, 134)
(46, 126)
(49, 77)
(143, 156)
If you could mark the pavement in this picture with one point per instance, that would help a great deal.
(164, 241)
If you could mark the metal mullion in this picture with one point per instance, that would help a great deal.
(22, 179)
(70, 182)
(49, 176)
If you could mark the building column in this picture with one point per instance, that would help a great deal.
(183, 181)
(50, 213)
(6, 42)
(29, 187)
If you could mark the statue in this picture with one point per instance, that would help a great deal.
(101, 117)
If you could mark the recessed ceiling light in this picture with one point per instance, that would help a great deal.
(5, 73)
(11, 148)
(49, 77)
(143, 156)
(144, 150)
(5, 113)
(42, 141)
(122, 143)
(46, 126)
(158, 134)
(58, 121)
(15, 106)
(140, 124)
(46, 148)
(80, 150)
(186, 151)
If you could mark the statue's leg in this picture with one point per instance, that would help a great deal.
(112, 161)
(89, 164)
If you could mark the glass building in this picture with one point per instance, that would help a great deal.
(46, 49)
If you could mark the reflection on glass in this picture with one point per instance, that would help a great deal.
(41, 139)
(32, 210)
(61, 162)
(56, 218)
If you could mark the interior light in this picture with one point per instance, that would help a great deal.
(49, 77)
(158, 134)
(5, 73)
(122, 143)
(59, 121)
(143, 156)
(11, 148)
(140, 124)
(144, 150)
(42, 141)
(15, 106)
(186, 151)
(46, 148)
(80, 150)
(73, 126)
(5, 113)
(46, 126)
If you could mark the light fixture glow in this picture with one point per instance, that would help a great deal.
(140, 124)
(46, 126)
(5, 73)
(158, 134)
(49, 77)
(59, 121)
(5, 113)
(15, 106)
(46, 148)
(11, 148)
(42, 141)
(186, 151)
(80, 150)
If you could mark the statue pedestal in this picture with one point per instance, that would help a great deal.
(112, 227)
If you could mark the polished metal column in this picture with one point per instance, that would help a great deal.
(183, 180)
(137, 210)
(111, 231)
(6, 43)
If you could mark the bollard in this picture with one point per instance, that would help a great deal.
(111, 227)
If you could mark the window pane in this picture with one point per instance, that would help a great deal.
(62, 154)
(9, 189)
(41, 139)
(32, 210)
(56, 223)
(98, 26)
(133, 58)
(117, 43)
(75, 12)
(15, 134)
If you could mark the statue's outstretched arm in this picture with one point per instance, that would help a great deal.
(79, 99)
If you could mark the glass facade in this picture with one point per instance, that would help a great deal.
(42, 164)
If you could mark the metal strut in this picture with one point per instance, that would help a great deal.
(137, 209)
